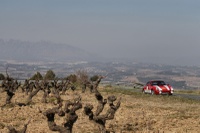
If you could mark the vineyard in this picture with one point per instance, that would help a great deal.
(90, 107)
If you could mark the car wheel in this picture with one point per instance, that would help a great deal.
(152, 92)
(143, 92)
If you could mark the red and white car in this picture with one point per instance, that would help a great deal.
(157, 87)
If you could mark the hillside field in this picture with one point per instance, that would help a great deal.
(138, 113)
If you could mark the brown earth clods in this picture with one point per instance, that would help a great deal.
(137, 114)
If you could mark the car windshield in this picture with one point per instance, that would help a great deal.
(158, 83)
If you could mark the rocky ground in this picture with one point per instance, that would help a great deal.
(138, 113)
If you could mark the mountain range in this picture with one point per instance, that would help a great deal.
(43, 51)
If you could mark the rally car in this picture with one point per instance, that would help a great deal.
(157, 87)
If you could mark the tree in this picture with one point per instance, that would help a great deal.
(72, 78)
(94, 78)
(36, 76)
(2, 77)
(82, 76)
(50, 75)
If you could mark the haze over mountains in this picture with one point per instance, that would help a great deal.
(43, 51)
(27, 51)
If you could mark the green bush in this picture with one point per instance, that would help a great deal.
(50, 75)
(2, 77)
(36, 76)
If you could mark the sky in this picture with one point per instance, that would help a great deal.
(157, 31)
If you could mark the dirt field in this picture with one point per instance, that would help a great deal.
(138, 113)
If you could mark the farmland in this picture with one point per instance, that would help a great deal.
(180, 77)
(138, 113)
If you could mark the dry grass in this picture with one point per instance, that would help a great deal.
(194, 92)
(138, 113)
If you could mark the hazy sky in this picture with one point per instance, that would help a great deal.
(146, 30)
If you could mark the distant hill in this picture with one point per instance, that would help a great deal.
(42, 51)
